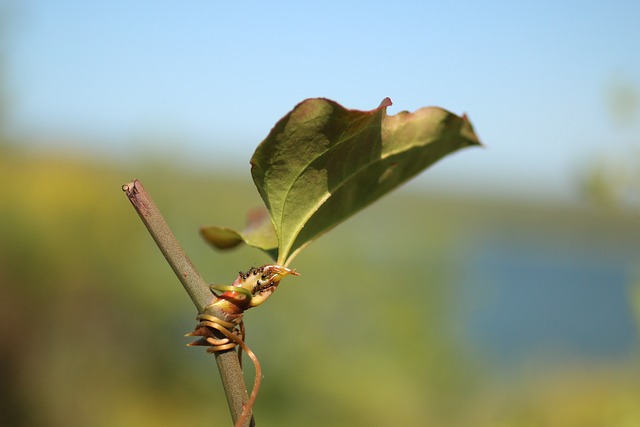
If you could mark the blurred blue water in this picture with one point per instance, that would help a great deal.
(527, 301)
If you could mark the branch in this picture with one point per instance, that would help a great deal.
(196, 287)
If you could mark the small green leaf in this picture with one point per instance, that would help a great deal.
(221, 237)
(321, 163)
(258, 233)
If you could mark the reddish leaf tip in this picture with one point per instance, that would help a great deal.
(386, 103)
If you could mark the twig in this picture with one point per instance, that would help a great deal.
(196, 287)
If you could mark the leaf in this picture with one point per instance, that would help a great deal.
(321, 163)
(258, 233)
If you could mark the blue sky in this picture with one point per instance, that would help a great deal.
(206, 80)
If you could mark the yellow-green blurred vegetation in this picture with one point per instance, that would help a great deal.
(378, 330)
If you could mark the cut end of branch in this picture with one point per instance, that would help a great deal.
(137, 196)
(130, 187)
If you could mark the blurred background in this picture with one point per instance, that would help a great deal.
(500, 288)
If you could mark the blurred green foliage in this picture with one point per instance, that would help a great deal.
(611, 180)
(92, 317)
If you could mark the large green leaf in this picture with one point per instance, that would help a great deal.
(321, 163)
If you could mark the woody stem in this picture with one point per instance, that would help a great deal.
(196, 287)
